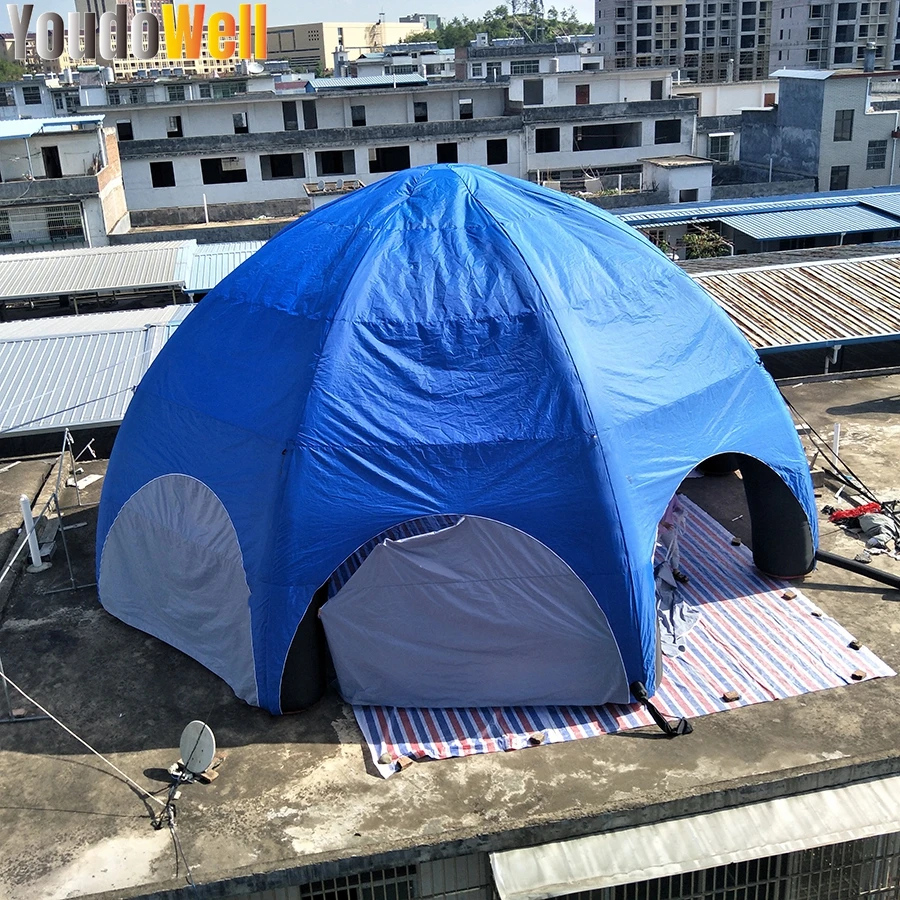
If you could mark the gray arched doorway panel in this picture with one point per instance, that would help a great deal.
(478, 614)
(172, 566)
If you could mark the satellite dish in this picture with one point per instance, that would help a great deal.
(198, 747)
(255, 68)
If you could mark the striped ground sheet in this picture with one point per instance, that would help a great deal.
(749, 639)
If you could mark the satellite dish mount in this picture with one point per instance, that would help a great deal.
(198, 747)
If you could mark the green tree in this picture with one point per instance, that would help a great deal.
(11, 71)
(701, 243)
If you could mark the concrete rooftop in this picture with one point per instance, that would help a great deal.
(296, 800)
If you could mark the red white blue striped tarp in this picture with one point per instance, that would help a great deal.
(749, 639)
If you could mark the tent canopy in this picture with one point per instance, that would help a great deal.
(447, 341)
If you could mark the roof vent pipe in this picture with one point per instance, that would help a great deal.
(869, 61)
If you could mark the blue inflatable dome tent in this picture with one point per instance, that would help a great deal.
(445, 342)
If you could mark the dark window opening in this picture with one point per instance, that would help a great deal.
(420, 111)
(687, 196)
(357, 116)
(162, 174)
(546, 140)
(289, 115)
(335, 162)
(465, 109)
(668, 131)
(582, 94)
(310, 119)
(843, 125)
(533, 92)
(240, 123)
(447, 153)
(173, 127)
(124, 130)
(656, 90)
(389, 159)
(606, 137)
(840, 178)
(497, 153)
(227, 170)
(282, 165)
(52, 165)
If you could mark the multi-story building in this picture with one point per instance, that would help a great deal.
(252, 145)
(310, 46)
(708, 41)
(425, 21)
(406, 59)
(841, 128)
(746, 39)
(61, 183)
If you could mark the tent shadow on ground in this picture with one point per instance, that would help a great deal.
(885, 406)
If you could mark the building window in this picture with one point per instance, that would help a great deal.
(420, 111)
(282, 165)
(840, 177)
(388, 159)
(64, 222)
(688, 195)
(357, 116)
(812, 56)
(668, 131)
(497, 154)
(524, 67)
(546, 140)
(124, 131)
(289, 115)
(719, 147)
(162, 174)
(31, 95)
(606, 137)
(533, 92)
(816, 11)
(477, 70)
(175, 92)
(205, 91)
(815, 34)
(465, 108)
(7, 97)
(335, 162)
(582, 94)
(846, 12)
(843, 55)
(310, 119)
(845, 34)
(5, 230)
(843, 125)
(447, 153)
(239, 120)
(224, 170)
(876, 155)
(173, 127)
(644, 12)
(137, 95)
(692, 43)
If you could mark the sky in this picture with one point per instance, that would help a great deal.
(289, 12)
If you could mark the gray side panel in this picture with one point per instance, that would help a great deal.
(479, 614)
(172, 566)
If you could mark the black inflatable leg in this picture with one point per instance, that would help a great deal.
(782, 540)
(303, 682)
(670, 729)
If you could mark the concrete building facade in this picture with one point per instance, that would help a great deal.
(833, 126)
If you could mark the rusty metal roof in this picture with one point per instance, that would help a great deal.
(814, 304)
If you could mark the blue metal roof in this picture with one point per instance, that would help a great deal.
(669, 213)
(809, 222)
(212, 262)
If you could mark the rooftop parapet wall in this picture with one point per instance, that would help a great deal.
(324, 137)
(637, 109)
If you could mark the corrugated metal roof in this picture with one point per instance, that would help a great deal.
(129, 267)
(212, 262)
(77, 371)
(809, 222)
(12, 129)
(342, 84)
(889, 203)
(811, 304)
(688, 212)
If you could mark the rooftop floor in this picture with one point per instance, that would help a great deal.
(296, 799)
